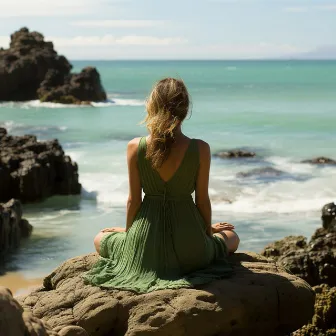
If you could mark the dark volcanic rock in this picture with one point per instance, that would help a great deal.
(12, 227)
(261, 172)
(314, 262)
(324, 319)
(320, 160)
(32, 69)
(76, 89)
(329, 216)
(32, 171)
(235, 153)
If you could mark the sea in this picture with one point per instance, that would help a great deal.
(285, 111)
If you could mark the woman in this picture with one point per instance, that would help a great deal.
(169, 241)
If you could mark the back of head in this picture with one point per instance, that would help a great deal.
(167, 106)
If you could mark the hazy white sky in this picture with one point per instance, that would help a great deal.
(178, 29)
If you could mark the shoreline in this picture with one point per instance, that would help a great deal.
(19, 284)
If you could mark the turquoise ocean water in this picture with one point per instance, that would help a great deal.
(283, 110)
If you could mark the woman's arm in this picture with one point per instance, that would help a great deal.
(202, 199)
(134, 196)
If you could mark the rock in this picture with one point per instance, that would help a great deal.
(235, 153)
(262, 172)
(280, 247)
(76, 89)
(32, 69)
(12, 227)
(324, 319)
(314, 262)
(329, 216)
(31, 170)
(260, 299)
(320, 161)
(14, 321)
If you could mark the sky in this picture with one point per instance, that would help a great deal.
(178, 29)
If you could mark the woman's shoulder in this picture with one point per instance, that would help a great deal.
(203, 146)
(133, 145)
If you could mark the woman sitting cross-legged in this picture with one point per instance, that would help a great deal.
(169, 241)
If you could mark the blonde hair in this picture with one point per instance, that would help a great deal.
(167, 106)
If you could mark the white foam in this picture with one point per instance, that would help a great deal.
(107, 188)
(128, 102)
(39, 104)
(11, 126)
(282, 197)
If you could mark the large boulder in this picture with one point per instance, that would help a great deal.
(32, 69)
(12, 227)
(32, 170)
(260, 299)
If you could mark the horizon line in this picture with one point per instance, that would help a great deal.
(204, 59)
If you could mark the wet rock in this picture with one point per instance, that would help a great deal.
(329, 216)
(260, 299)
(320, 161)
(32, 171)
(267, 172)
(314, 262)
(235, 153)
(12, 227)
(32, 69)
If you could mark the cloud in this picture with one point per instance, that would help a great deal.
(109, 40)
(118, 23)
(22, 8)
(296, 9)
(304, 9)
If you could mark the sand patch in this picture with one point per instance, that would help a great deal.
(18, 283)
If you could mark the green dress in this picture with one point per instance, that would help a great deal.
(167, 245)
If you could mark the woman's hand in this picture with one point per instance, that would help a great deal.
(218, 227)
(114, 229)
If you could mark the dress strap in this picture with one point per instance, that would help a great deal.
(142, 149)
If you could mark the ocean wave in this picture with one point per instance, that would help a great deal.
(38, 104)
(38, 130)
(282, 197)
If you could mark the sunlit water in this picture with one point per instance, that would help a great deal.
(285, 111)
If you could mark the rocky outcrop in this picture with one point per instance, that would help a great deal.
(314, 262)
(320, 161)
(32, 69)
(234, 154)
(12, 227)
(32, 170)
(72, 89)
(260, 299)
(324, 319)
(261, 172)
